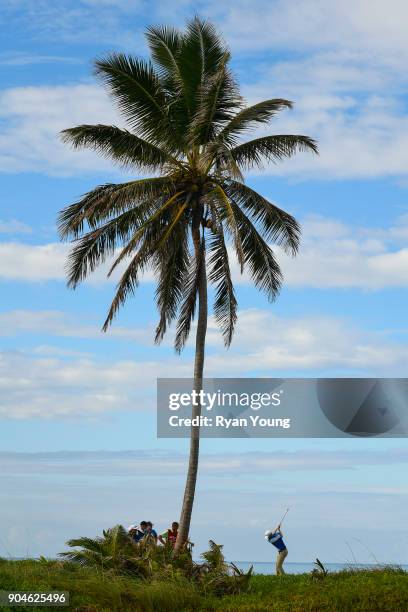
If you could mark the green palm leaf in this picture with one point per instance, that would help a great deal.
(95, 247)
(128, 282)
(276, 224)
(140, 95)
(200, 56)
(250, 117)
(225, 303)
(171, 267)
(263, 266)
(123, 147)
(224, 209)
(271, 148)
(107, 200)
(137, 236)
(164, 43)
(218, 101)
(188, 306)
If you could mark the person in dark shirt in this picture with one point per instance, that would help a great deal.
(150, 533)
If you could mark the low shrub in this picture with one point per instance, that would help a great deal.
(116, 553)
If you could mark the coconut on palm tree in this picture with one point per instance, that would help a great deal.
(185, 121)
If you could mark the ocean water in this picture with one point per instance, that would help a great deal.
(302, 568)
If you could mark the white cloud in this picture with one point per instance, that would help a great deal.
(250, 25)
(372, 132)
(308, 345)
(357, 138)
(34, 117)
(50, 387)
(32, 262)
(57, 323)
(355, 24)
(48, 383)
(346, 72)
(47, 262)
(344, 66)
(338, 255)
(332, 255)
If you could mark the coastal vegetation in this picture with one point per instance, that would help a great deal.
(92, 589)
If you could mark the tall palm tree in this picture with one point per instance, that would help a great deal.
(185, 119)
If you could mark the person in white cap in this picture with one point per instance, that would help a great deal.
(137, 532)
(275, 537)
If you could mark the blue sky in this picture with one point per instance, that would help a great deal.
(82, 403)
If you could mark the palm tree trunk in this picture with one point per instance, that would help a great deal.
(189, 491)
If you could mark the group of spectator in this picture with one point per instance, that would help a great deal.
(144, 531)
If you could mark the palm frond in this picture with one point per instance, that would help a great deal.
(90, 544)
(106, 200)
(277, 225)
(215, 557)
(86, 559)
(250, 117)
(166, 46)
(190, 293)
(225, 303)
(94, 247)
(113, 551)
(128, 282)
(263, 267)
(140, 95)
(120, 145)
(132, 244)
(171, 268)
(175, 220)
(199, 55)
(271, 148)
(218, 102)
(224, 207)
(217, 156)
(154, 234)
(164, 43)
(213, 49)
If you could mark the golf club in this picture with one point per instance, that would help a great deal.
(281, 521)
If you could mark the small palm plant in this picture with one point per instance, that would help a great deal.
(319, 571)
(185, 122)
(220, 577)
(113, 551)
(116, 553)
(214, 558)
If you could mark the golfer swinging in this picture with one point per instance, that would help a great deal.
(275, 538)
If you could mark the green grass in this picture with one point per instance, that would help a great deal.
(95, 591)
(368, 591)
